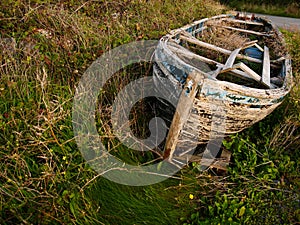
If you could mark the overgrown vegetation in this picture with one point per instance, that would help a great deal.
(289, 8)
(46, 47)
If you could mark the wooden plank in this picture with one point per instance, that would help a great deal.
(259, 48)
(249, 71)
(266, 67)
(188, 54)
(246, 69)
(244, 31)
(244, 22)
(240, 74)
(195, 41)
(282, 58)
(219, 163)
(249, 44)
(230, 61)
(248, 74)
(182, 112)
(216, 72)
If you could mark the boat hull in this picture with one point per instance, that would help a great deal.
(241, 106)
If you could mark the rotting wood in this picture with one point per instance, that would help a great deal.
(259, 48)
(220, 163)
(188, 54)
(195, 41)
(243, 21)
(244, 31)
(249, 44)
(266, 67)
(183, 108)
(179, 49)
(249, 71)
(245, 68)
(216, 72)
(230, 61)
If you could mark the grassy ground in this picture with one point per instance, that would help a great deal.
(43, 177)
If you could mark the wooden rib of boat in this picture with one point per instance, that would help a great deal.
(237, 62)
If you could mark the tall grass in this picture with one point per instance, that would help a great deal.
(46, 47)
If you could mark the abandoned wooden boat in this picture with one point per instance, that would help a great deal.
(238, 62)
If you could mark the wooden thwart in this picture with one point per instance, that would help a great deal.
(249, 44)
(244, 22)
(249, 72)
(259, 48)
(244, 31)
(266, 67)
(193, 40)
(188, 54)
(246, 73)
(246, 69)
(230, 61)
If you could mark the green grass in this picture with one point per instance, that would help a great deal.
(43, 177)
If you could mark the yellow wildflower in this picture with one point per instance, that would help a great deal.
(191, 196)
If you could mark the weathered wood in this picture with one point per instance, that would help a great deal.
(188, 54)
(185, 53)
(266, 67)
(279, 59)
(245, 31)
(249, 44)
(183, 108)
(245, 68)
(230, 61)
(240, 74)
(219, 163)
(250, 72)
(216, 72)
(195, 41)
(259, 48)
(243, 21)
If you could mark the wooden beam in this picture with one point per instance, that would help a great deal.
(182, 113)
(240, 74)
(230, 61)
(266, 67)
(244, 21)
(249, 44)
(188, 54)
(246, 69)
(259, 48)
(195, 41)
(181, 51)
(244, 31)
(250, 72)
